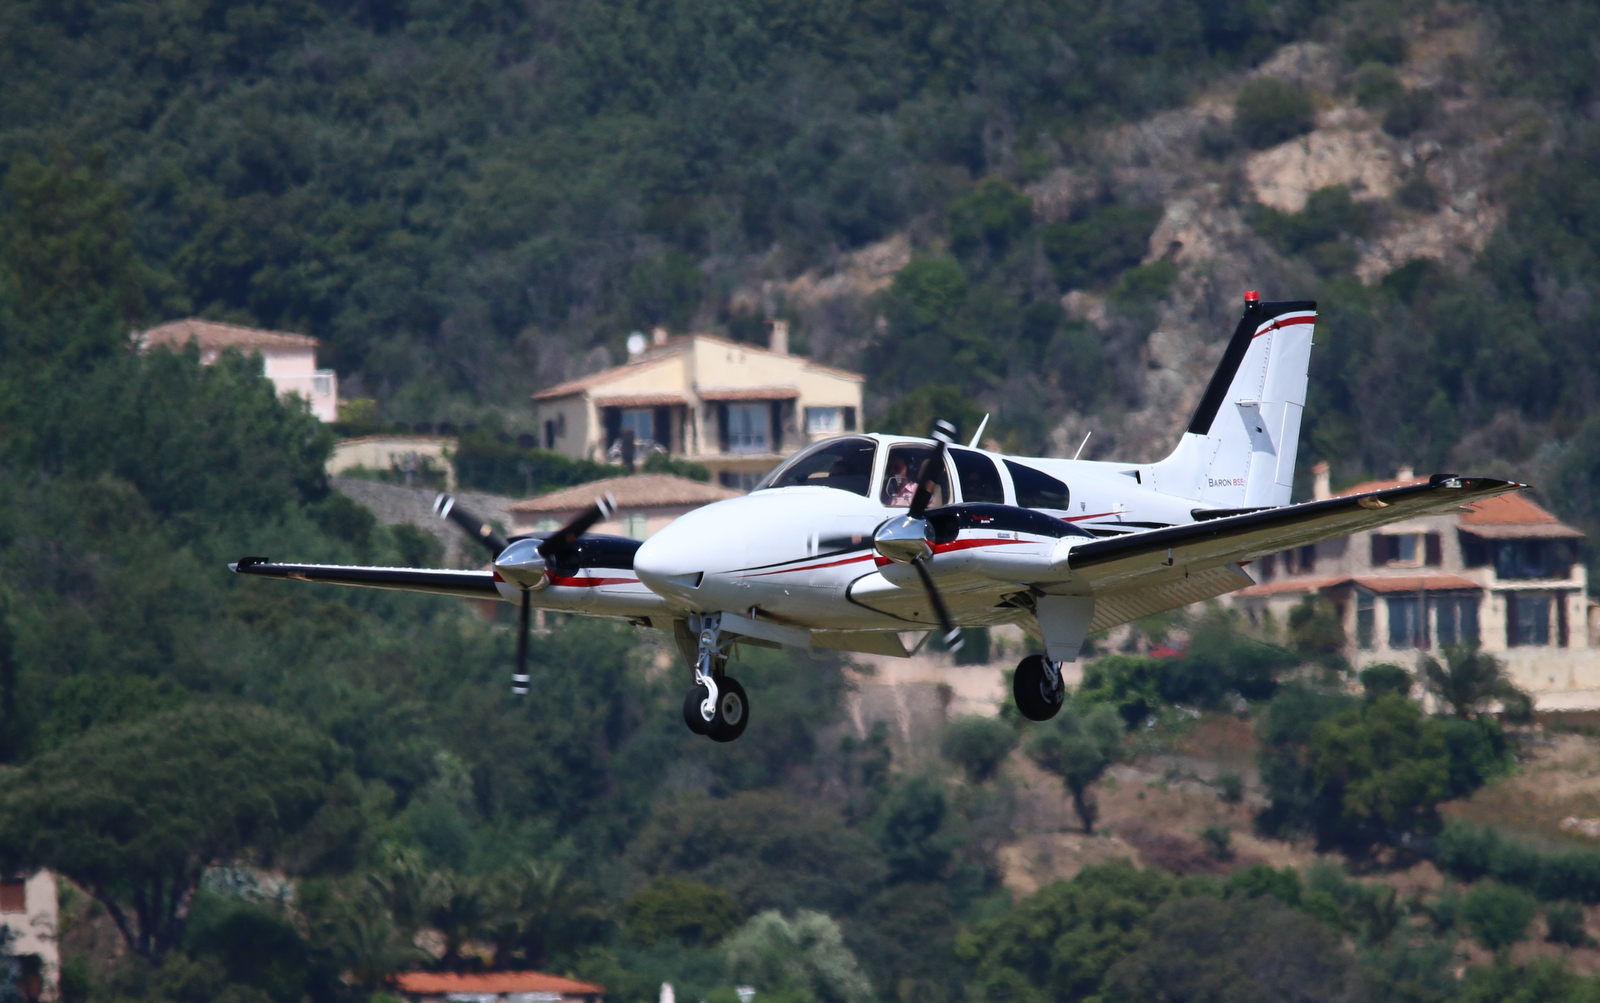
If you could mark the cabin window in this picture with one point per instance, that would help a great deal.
(844, 464)
(1037, 489)
(901, 473)
(980, 478)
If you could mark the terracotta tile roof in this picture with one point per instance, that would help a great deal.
(1292, 585)
(777, 393)
(1365, 486)
(440, 983)
(641, 400)
(1513, 515)
(593, 380)
(637, 491)
(213, 336)
(1374, 583)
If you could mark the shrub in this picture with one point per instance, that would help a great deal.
(1376, 85)
(1410, 112)
(1230, 787)
(1564, 924)
(1218, 841)
(1384, 678)
(1142, 287)
(1100, 244)
(978, 745)
(1270, 111)
(1498, 915)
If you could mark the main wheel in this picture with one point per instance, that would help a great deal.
(691, 711)
(733, 711)
(1031, 688)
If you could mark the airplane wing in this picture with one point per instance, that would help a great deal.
(1163, 555)
(467, 584)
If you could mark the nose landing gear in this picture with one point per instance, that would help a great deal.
(1038, 688)
(717, 706)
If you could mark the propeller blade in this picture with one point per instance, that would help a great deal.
(952, 633)
(519, 679)
(561, 542)
(928, 476)
(445, 507)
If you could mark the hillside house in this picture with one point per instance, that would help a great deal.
(288, 360)
(495, 987)
(645, 503)
(1502, 572)
(736, 408)
(30, 909)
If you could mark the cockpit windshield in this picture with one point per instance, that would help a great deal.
(844, 463)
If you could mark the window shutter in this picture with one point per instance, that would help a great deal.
(1433, 552)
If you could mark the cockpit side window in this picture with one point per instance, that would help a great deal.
(1037, 489)
(844, 463)
(900, 477)
(980, 478)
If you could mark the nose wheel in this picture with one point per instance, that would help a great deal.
(1038, 688)
(717, 706)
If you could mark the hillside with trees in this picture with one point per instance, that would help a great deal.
(269, 793)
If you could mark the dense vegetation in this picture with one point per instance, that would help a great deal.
(466, 199)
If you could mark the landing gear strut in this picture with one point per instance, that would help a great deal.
(717, 706)
(1038, 688)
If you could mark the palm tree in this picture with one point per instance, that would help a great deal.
(1470, 679)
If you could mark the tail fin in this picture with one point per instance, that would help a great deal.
(1239, 449)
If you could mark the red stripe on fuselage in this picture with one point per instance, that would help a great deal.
(811, 567)
(589, 583)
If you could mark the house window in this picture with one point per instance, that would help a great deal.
(1528, 618)
(633, 526)
(13, 896)
(1266, 568)
(1456, 619)
(1406, 629)
(749, 427)
(1366, 620)
(1523, 559)
(1406, 550)
(849, 419)
(738, 480)
(642, 421)
(824, 420)
(1300, 561)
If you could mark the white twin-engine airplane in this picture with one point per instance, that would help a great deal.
(857, 540)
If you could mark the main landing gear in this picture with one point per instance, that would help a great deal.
(717, 706)
(1037, 688)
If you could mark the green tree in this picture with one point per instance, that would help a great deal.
(801, 958)
(1077, 745)
(1269, 111)
(1388, 764)
(1059, 942)
(686, 911)
(1542, 981)
(977, 744)
(1498, 915)
(136, 813)
(989, 219)
(1471, 678)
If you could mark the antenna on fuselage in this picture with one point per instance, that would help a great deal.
(979, 433)
(1085, 442)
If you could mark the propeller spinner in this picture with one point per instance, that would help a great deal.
(906, 540)
(526, 563)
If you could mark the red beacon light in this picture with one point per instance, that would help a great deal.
(1251, 298)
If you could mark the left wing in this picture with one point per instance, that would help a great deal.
(466, 584)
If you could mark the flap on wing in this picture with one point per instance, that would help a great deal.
(1126, 605)
(1163, 555)
(468, 584)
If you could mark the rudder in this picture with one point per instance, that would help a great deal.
(1239, 448)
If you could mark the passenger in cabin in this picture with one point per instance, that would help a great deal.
(898, 486)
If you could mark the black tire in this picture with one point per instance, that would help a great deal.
(1031, 689)
(691, 711)
(733, 711)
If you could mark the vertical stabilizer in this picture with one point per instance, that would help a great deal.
(1239, 448)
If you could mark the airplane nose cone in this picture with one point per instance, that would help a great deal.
(670, 564)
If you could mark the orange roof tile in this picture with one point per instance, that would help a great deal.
(1366, 486)
(437, 983)
(593, 380)
(1292, 585)
(1374, 583)
(637, 491)
(772, 393)
(213, 336)
(1515, 509)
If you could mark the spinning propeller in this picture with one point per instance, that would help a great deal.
(526, 562)
(904, 539)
